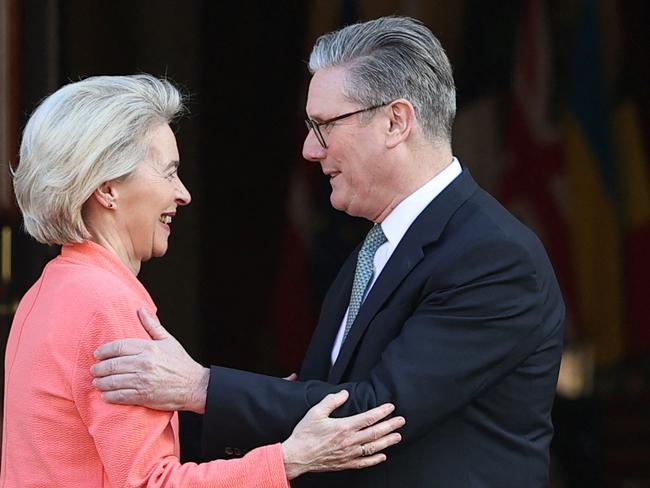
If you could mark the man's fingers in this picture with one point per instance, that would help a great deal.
(123, 347)
(115, 382)
(291, 377)
(116, 365)
(130, 347)
(152, 326)
(122, 397)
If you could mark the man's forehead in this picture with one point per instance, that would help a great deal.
(325, 92)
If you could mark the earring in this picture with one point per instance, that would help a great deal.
(110, 205)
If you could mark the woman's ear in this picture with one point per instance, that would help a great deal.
(105, 195)
(402, 118)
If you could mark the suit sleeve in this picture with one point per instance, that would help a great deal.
(460, 339)
(138, 447)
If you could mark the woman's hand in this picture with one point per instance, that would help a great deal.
(321, 443)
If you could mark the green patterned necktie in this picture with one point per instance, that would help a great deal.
(363, 273)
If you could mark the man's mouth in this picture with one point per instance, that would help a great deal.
(166, 219)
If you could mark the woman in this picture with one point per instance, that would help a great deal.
(98, 175)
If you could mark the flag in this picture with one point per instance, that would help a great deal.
(533, 184)
(632, 152)
(595, 191)
(635, 181)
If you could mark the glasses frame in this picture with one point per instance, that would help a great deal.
(315, 126)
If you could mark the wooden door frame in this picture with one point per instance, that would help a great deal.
(9, 103)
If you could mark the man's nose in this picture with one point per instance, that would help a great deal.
(312, 149)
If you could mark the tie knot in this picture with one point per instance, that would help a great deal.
(374, 239)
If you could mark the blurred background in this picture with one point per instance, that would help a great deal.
(553, 119)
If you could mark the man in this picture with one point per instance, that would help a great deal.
(450, 309)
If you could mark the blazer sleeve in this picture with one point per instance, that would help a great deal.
(459, 340)
(138, 447)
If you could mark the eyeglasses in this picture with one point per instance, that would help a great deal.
(315, 126)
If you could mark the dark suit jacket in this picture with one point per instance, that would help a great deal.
(462, 331)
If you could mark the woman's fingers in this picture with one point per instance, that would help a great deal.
(363, 462)
(322, 443)
(379, 445)
(369, 418)
(366, 455)
(375, 432)
(327, 405)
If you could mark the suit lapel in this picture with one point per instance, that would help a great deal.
(400, 264)
(426, 229)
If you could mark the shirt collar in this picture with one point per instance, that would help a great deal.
(400, 219)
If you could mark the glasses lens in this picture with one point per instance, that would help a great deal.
(311, 125)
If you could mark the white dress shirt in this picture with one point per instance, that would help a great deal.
(395, 226)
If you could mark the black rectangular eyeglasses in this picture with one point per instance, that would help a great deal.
(315, 126)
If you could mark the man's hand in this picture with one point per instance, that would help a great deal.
(156, 373)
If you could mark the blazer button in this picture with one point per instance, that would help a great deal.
(228, 450)
(237, 451)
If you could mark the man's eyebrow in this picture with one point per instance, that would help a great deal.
(316, 117)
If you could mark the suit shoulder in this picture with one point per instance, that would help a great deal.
(482, 236)
(488, 221)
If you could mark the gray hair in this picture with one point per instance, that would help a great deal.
(390, 58)
(84, 134)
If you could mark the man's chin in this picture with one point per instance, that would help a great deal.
(340, 200)
(339, 205)
(351, 210)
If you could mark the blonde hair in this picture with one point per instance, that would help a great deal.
(84, 134)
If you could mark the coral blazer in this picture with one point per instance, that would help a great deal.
(57, 431)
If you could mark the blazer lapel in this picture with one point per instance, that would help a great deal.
(426, 228)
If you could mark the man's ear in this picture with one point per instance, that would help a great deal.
(106, 195)
(402, 118)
